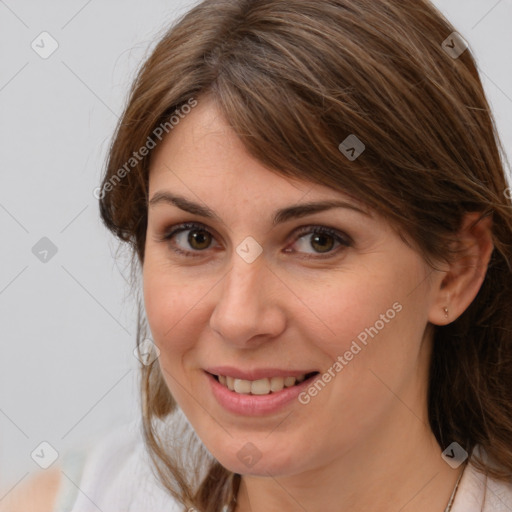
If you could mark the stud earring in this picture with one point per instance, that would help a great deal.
(445, 312)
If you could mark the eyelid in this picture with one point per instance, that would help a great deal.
(341, 237)
(179, 228)
(343, 240)
(322, 228)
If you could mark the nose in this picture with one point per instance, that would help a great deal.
(249, 311)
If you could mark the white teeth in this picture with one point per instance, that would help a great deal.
(276, 384)
(242, 386)
(289, 381)
(260, 386)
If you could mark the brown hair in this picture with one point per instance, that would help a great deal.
(294, 78)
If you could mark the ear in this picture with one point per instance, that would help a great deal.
(464, 277)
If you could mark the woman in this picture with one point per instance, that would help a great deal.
(314, 194)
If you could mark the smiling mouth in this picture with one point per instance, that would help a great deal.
(263, 386)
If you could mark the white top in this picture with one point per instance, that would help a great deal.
(116, 477)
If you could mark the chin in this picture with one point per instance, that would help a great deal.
(245, 458)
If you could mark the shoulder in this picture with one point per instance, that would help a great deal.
(111, 472)
(37, 494)
(117, 475)
(480, 492)
(498, 495)
(58, 486)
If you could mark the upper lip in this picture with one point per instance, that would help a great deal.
(255, 373)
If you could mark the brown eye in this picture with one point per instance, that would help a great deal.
(199, 239)
(322, 242)
(189, 239)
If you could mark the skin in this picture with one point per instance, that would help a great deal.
(37, 494)
(364, 439)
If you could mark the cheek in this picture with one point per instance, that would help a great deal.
(171, 311)
(168, 302)
(370, 319)
(336, 312)
(378, 326)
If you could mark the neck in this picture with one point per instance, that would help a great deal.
(386, 471)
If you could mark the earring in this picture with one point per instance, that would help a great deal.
(445, 312)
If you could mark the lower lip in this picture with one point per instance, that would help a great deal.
(256, 405)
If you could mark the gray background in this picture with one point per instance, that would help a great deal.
(67, 370)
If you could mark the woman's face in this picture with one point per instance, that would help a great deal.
(256, 287)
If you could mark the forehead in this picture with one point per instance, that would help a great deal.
(202, 156)
(202, 148)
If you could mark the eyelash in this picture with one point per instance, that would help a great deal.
(343, 240)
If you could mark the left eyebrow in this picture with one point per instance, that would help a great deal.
(282, 215)
(303, 209)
